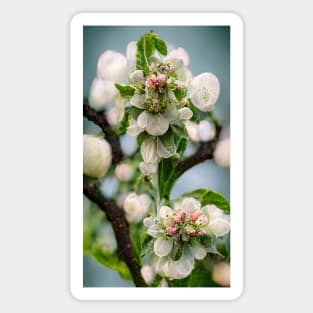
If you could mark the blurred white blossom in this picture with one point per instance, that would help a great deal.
(97, 156)
(222, 152)
(148, 274)
(204, 131)
(112, 66)
(136, 207)
(102, 93)
(124, 172)
(221, 274)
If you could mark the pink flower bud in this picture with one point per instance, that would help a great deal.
(194, 216)
(181, 217)
(171, 230)
(201, 233)
(192, 233)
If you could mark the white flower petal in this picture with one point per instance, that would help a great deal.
(190, 205)
(133, 128)
(165, 211)
(142, 119)
(147, 169)
(219, 227)
(101, 94)
(137, 78)
(179, 53)
(157, 124)
(154, 231)
(138, 100)
(165, 151)
(198, 251)
(131, 54)
(148, 150)
(192, 130)
(148, 221)
(112, 66)
(205, 130)
(162, 247)
(185, 114)
(204, 91)
(147, 273)
(97, 156)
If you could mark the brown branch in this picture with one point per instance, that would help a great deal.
(100, 119)
(204, 152)
(121, 230)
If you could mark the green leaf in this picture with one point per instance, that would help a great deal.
(125, 91)
(122, 128)
(160, 45)
(206, 197)
(201, 278)
(135, 232)
(181, 145)
(196, 114)
(166, 177)
(112, 261)
(145, 50)
(180, 93)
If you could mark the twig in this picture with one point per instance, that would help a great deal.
(120, 227)
(100, 119)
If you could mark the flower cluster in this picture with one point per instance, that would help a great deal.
(178, 235)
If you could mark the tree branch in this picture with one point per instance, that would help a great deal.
(100, 119)
(205, 152)
(120, 227)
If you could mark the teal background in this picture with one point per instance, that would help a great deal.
(209, 51)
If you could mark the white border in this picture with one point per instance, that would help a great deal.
(76, 159)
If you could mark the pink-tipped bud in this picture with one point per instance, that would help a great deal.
(171, 230)
(192, 233)
(194, 216)
(162, 79)
(201, 233)
(174, 221)
(181, 217)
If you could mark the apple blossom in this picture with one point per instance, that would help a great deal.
(112, 66)
(136, 207)
(102, 93)
(97, 156)
(204, 91)
(204, 131)
(181, 229)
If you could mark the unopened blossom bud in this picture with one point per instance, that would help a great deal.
(221, 274)
(112, 116)
(163, 283)
(194, 216)
(147, 168)
(171, 83)
(124, 172)
(112, 66)
(181, 216)
(97, 156)
(206, 130)
(172, 230)
(148, 274)
(185, 114)
(190, 230)
(222, 152)
(136, 207)
(101, 94)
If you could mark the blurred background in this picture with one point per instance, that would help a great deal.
(209, 51)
